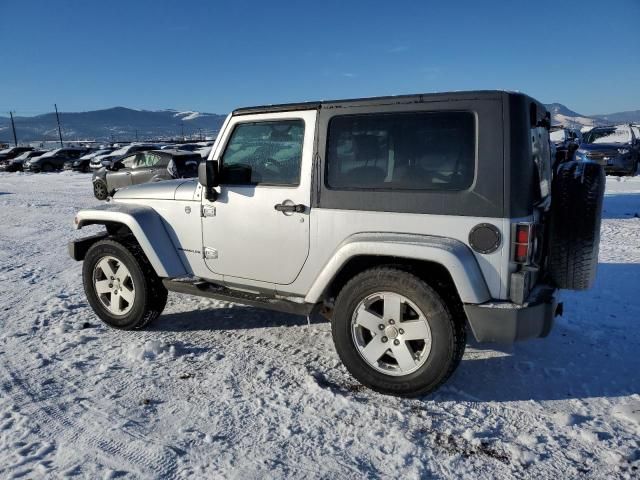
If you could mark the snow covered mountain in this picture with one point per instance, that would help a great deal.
(116, 123)
(120, 124)
(561, 115)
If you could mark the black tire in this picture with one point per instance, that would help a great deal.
(100, 190)
(150, 294)
(576, 209)
(448, 334)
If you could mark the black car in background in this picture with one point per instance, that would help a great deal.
(11, 153)
(54, 159)
(83, 164)
(142, 167)
(616, 148)
(15, 164)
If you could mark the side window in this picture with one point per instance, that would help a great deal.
(151, 159)
(267, 152)
(129, 162)
(402, 151)
(138, 161)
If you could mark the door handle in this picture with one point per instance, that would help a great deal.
(281, 207)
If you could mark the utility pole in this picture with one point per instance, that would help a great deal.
(136, 134)
(182, 127)
(58, 120)
(13, 126)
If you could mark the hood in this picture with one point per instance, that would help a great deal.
(602, 147)
(181, 189)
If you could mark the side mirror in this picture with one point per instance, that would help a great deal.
(208, 178)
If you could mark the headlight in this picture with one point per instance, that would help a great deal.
(623, 151)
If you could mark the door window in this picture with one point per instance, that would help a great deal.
(267, 153)
(129, 162)
(147, 159)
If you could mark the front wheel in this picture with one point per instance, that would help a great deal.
(121, 286)
(395, 334)
(100, 190)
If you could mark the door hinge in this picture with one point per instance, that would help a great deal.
(208, 211)
(210, 253)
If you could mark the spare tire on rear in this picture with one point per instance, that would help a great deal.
(576, 207)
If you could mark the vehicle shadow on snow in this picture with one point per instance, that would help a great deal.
(621, 206)
(593, 350)
(229, 318)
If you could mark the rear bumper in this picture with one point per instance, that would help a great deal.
(506, 322)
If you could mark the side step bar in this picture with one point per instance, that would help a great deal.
(210, 290)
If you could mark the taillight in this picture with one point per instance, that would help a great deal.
(522, 245)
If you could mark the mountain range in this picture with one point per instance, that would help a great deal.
(120, 124)
(113, 124)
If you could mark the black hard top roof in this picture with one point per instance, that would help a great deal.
(388, 100)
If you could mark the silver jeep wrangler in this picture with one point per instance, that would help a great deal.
(404, 220)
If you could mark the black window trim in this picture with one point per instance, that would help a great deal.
(264, 184)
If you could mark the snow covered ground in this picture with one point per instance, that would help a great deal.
(216, 390)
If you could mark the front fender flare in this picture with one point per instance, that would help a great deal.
(148, 229)
(452, 254)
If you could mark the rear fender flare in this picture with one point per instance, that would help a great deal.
(452, 254)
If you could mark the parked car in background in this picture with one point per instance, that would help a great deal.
(110, 158)
(616, 148)
(566, 141)
(54, 159)
(83, 164)
(12, 152)
(142, 167)
(204, 152)
(16, 164)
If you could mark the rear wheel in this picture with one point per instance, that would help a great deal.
(395, 334)
(121, 286)
(100, 190)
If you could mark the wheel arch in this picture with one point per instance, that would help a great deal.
(449, 262)
(144, 224)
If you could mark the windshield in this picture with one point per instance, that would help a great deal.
(608, 135)
(24, 156)
(51, 153)
(121, 151)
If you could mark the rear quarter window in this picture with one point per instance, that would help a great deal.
(402, 151)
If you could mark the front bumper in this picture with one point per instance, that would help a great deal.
(613, 163)
(506, 322)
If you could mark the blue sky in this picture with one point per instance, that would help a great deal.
(214, 56)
